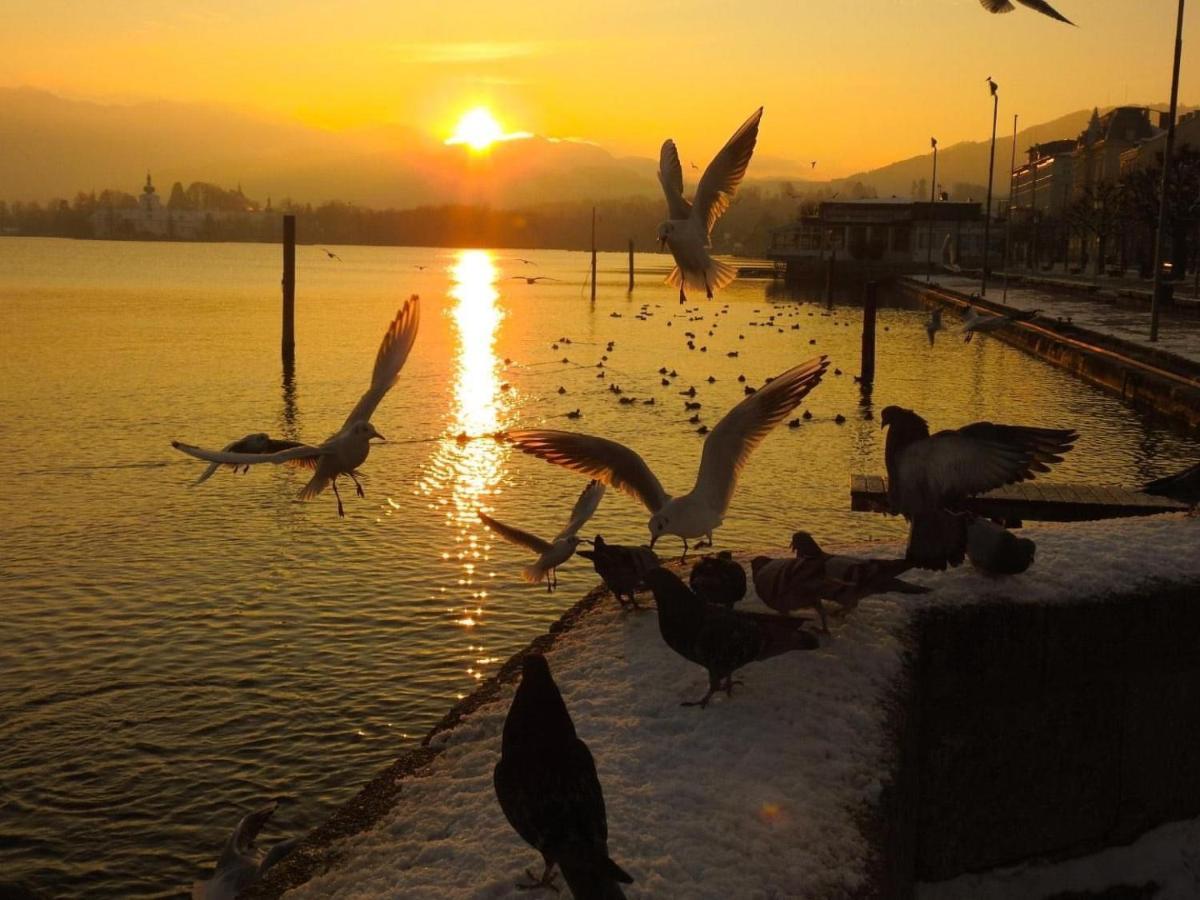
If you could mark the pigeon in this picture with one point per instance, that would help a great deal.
(1183, 486)
(719, 580)
(929, 476)
(719, 639)
(934, 325)
(974, 322)
(347, 449)
(239, 864)
(551, 554)
(688, 229)
(995, 551)
(726, 452)
(258, 442)
(1005, 6)
(621, 568)
(548, 789)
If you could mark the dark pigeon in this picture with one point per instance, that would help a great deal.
(719, 639)
(995, 551)
(547, 786)
(1183, 486)
(929, 477)
(622, 568)
(718, 579)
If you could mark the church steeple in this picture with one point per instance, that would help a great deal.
(149, 188)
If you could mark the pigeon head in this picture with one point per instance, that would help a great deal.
(538, 714)
(665, 230)
(805, 546)
(902, 420)
(669, 592)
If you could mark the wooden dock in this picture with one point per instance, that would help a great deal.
(1032, 500)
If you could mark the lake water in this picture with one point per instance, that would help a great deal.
(173, 656)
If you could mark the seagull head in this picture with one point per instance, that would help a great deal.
(658, 527)
(366, 431)
(665, 230)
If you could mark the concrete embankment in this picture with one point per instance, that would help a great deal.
(1150, 380)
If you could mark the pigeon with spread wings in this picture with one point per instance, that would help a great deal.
(726, 452)
(930, 475)
(347, 449)
(688, 229)
(551, 554)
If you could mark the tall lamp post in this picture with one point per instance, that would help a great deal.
(1012, 180)
(1160, 240)
(987, 218)
(932, 207)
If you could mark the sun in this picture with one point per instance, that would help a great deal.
(478, 129)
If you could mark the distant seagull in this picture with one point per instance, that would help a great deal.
(549, 791)
(974, 322)
(688, 231)
(531, 280)
(347, 449)
(1005, 6)
(331, 254)
(239, 864)
(929, 476)
(551, 554)
(934, 325)
(621, 568)
(726, 452)
(992, 86)
(813, 164)
(1182, 486)
(259, 442)
(420, 268)
(521, 259)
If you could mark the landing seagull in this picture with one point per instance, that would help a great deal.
(688, 231)
(347, 449)
(726, 451)
(239, 864)
(1005, 6)
(551, 554)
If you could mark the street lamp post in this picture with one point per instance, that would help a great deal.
(1160, 240)
(987, 218)
(932, 207)
(1012, 167)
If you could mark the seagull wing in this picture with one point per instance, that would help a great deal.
(393, 351)
(743, 428)
(1005, 6)
(997, 6)
(670, 176)
(241, 843)
(301, 455)
(585, 508)
(607, 461)
(515, 535)
(723, 175)
(951, 465)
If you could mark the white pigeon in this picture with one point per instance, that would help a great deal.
(934, 325)
(688, 230)
(347, 449)
(551, 554)
(239, 864)
(726, 451)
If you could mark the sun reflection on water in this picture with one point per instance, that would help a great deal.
(464, 471)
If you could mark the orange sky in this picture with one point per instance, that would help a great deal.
(851, 83)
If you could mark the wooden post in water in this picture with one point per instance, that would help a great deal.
(829, 277)
(593, 254)
(289, 289)
(631, 267)
(867, 369)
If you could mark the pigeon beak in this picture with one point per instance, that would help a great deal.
(653, 538)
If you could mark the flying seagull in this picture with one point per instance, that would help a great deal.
(548, 789)
(930, 475)
(551, 554)
(259, 442)
(240, 864)
(347, 449)
(621, 568)
(934, 325)
(331, 254)
(1005, 6)
(719, 639)
(726, 451)
(534, 280)
(688, 230)
(974, 322)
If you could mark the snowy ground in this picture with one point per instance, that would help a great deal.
(755, 797)
(1180, 336)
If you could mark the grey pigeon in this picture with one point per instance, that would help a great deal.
(995, 551)
(718, 579)
(621, 568)
(930, 476)
(547, 786)
(240, 864)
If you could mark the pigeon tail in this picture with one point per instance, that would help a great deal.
(937, 539)
(898, 586)
(714, 276)
(592, 878)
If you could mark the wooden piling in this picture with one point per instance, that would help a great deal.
(289, 288)
(631, 266)
(867, 368)
(593, 254)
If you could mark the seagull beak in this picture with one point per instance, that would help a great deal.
(375, 433)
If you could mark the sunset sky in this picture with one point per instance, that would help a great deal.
(850, 83)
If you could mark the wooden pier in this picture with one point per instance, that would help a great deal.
(1032, 500)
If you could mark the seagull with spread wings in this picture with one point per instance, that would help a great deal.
(930, 475)
(259, 442)
(240, 863)
(1006, 6)
(347, 449)
(727, 449)
(551, 554)
(688, 230)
